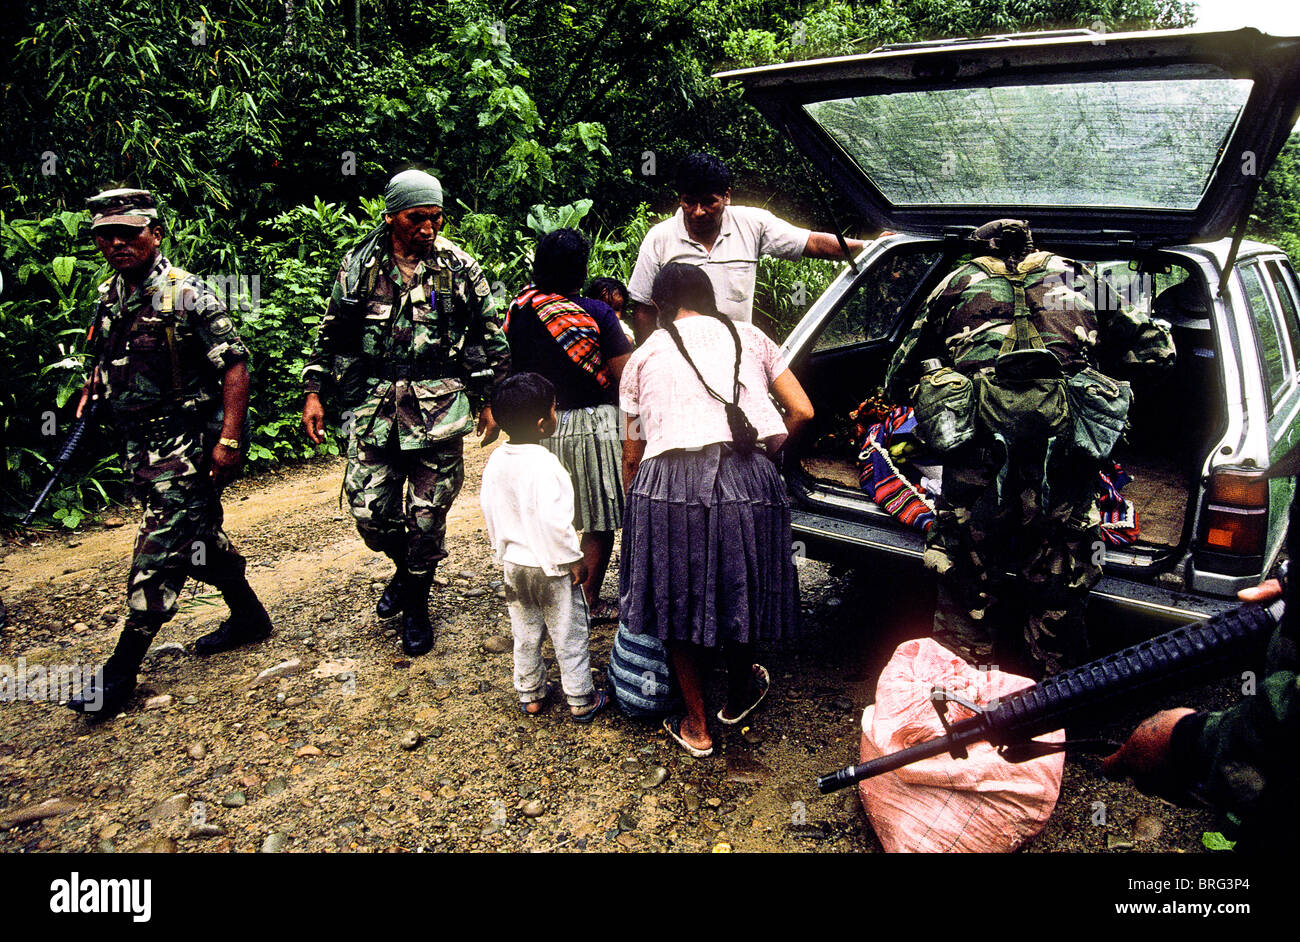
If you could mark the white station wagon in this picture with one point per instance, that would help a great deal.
(1138, 154)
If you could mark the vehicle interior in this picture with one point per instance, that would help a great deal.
(845, 364)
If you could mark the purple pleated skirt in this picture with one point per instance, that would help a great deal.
(707, 554)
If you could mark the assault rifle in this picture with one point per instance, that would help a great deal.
(1191, 654)
(65, 455)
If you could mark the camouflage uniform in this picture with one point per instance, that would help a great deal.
(1044, 530)
(1246, 760)
(162, 351)
(397, 363)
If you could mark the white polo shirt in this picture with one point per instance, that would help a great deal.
(747, 232)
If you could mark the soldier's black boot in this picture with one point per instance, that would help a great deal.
(110, 689)
(390, 603)
(417, 631)
(248, 621)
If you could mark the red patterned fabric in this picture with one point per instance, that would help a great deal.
(573, 328)
(880, 478)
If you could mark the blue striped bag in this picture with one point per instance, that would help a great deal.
(639, 676)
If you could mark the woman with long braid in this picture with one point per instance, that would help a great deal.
(706, 560)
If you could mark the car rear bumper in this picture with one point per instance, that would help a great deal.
(821, 537)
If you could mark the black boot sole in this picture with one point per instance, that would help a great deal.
(108, 708)
(229, 644)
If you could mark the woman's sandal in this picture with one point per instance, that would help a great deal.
(763, 681)
(673, 725)
(586, 716)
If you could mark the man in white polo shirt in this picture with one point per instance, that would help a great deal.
(724, 240)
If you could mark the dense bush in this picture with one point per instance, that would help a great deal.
(268, 130)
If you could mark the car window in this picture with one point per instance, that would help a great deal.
(1284, 285)
(878, 303)
(1272, 356)
(1080, 143)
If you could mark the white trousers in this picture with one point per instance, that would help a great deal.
(541, 604)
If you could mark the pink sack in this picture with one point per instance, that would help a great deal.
(980, 804)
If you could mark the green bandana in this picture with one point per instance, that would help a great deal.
(412, 188)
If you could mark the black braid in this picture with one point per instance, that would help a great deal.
(743, 434)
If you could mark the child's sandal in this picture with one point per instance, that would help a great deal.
(599, 703)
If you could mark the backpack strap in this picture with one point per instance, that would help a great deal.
(1023, 335)
(168, 305)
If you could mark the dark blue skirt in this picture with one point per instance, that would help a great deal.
(707, 554)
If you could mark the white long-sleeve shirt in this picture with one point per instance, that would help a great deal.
(527, 500)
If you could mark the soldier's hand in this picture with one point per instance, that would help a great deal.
(87, 391)
(225, 462)
(313, 418)
(1147, 750)
(487, 428)
(85, 398)
(579, 572)
(1267, 591)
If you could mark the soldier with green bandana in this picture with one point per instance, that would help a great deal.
(1014, 500)
(167, 361)
(408, 334)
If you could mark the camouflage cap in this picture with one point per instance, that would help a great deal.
(123, 207)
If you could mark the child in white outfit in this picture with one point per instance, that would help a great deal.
(527, 500)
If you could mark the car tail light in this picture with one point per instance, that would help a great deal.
(1236, 513)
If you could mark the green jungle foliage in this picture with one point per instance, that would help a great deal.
(268, 130)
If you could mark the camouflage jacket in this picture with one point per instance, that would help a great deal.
(967, 317)
(1246, 760)
(396, 357)
(164, 346)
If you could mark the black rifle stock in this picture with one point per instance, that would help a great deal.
(1187, 655)
(65, 455)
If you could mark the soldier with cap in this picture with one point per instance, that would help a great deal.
(168, 363)
(408, 326)
(989, 366)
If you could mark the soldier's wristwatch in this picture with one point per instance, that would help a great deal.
(229, 443)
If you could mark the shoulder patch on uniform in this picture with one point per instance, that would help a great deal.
(222, 324)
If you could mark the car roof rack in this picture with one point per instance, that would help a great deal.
(992, 37)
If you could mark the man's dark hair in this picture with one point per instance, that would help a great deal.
(701, 175)
(680, 286)
(560, 265)
(520, 400)
(602, 289)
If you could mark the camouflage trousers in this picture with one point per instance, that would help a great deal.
(411, 530)
(1015, 573)
(180, 531)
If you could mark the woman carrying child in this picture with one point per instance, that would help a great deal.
(578, 345)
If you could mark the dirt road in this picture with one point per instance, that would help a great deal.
(315, 759)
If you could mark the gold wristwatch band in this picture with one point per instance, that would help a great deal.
(229, 443)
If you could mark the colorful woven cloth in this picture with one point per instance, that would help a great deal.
(881, 479)
(1119, 518)
(573, 328)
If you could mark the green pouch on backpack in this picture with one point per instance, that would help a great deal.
(1022, 410)
(1099, 406)
(944, 405)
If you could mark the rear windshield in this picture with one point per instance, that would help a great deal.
(1124, 144)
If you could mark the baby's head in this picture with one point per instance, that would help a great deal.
(524, 407)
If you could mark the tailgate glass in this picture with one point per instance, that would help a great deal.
(1139, 144)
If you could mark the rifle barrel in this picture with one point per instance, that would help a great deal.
(69, 449)
(964, 732)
